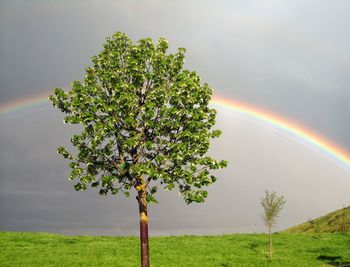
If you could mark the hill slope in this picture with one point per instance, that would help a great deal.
(336, 221)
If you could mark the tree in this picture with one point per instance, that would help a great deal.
(146, 124)
(272, 205)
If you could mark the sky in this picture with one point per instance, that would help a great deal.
(290, 57)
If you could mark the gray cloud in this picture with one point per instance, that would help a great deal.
(289, 57)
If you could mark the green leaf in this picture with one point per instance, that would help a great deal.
(63, 151)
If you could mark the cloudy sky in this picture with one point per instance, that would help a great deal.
(290, 57)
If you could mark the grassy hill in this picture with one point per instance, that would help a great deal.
(42, 249)
(336, 221)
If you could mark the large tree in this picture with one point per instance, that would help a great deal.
(145, 122)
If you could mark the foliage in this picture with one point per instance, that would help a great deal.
(302, 250)
(143, 115)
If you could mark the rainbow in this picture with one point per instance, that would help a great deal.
(287, 126)
(290, 127)
(24, 103)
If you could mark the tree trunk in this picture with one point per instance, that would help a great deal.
(143, 224)
(270, 243)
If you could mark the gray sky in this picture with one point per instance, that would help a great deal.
(290, 57)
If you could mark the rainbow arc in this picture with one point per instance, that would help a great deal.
(321, 144)
(299, 132)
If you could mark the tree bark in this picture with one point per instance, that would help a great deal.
(270, 243)
(144, 244)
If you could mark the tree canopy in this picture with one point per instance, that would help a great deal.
(143, 117)
(272, 205)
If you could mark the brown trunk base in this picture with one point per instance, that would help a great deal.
(144, 242)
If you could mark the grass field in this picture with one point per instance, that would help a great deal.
(42, 249)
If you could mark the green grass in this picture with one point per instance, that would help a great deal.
(42, 249)
(336, 221)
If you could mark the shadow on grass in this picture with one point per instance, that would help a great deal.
(333, 260)
(254, 247)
